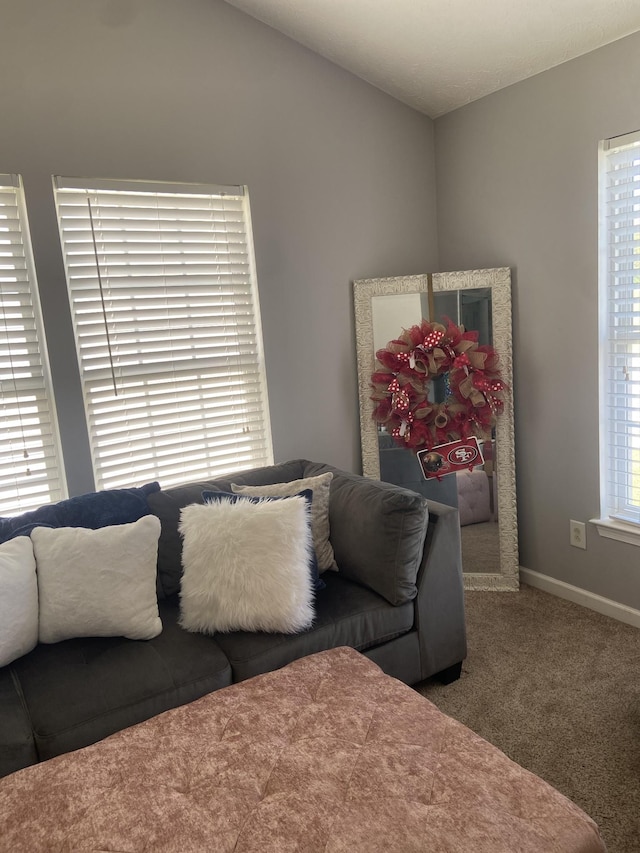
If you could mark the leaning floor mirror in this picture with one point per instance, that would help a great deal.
(478, 300)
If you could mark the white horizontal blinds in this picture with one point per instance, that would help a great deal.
(621, 198)
(30, 461)
(165, 311)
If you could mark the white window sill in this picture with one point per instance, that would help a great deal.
(629, 533)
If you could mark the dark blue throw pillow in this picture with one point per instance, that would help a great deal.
(94, 510)
(210, 496)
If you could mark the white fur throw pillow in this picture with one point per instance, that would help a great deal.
(246, 566)
(18, 599)
(98, 583)
(320, 485)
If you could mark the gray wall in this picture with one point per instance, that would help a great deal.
(340, 176)
(517, 186)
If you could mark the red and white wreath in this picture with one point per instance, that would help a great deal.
(409, 364)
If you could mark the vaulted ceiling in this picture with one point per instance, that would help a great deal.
(436, 55)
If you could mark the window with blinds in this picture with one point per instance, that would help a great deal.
(30, 458)
(165, 309)
(620, 328)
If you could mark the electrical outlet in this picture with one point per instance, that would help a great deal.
(577, 534)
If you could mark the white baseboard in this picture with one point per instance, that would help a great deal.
(581, 596)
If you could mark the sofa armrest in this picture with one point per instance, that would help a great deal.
(438, 598)
(439, 604)
(17, 748)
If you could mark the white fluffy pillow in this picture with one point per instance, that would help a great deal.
(246, 566)
(18, 599)
(320, 486)
(98, 583)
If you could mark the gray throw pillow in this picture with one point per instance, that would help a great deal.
(378, 533)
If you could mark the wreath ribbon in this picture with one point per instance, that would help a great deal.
(403, 384)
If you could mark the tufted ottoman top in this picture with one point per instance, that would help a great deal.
(327, 754)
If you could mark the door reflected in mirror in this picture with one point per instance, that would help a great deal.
(480, 301)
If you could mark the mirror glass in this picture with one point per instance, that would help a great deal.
(480, 301)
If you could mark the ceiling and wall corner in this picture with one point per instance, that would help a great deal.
(437, 55)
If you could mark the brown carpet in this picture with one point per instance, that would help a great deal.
(557, 688)
(480, 547)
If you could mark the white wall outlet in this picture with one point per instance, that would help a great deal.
(578, 534)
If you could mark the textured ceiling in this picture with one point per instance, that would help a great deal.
(436, 55)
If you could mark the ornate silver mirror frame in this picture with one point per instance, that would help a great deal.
(506, 573)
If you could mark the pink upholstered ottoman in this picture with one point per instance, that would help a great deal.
(474, 496)
(326, 755)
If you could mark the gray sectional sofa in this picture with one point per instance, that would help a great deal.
(397, 597)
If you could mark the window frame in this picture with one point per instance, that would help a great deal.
(65, 188)
(610, 524)
(40, 412)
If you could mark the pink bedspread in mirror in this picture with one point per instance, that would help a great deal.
(325, 755)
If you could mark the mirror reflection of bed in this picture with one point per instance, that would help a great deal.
(479, 301)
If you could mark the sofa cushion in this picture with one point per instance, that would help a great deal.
(79, 691)
(18, 599)
(246, 564)
(94, 510)
(98, 583)
(320, 486)
(378, 533)
(347, 614)
(168, 503)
